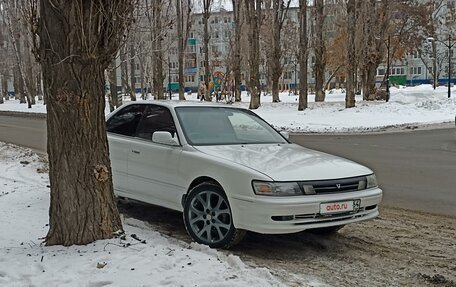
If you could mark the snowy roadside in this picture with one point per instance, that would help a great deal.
(158, 261)
(409, 108)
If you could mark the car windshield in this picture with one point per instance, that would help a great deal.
(222, 126)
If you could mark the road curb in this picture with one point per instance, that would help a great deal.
(23, 114)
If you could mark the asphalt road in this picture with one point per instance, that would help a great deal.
(416, 169)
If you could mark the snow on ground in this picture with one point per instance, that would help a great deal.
(418, 105)
(161, 261)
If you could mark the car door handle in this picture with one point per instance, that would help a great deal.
(135, 151)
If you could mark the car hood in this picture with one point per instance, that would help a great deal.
(287, 162)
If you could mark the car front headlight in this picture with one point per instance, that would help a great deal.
(371, 181)
(276, 188)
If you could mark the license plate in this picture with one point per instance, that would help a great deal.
(336, 207)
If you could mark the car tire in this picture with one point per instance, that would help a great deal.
(208, 218)
(330, 230)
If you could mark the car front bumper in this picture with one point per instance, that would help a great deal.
(276, 215)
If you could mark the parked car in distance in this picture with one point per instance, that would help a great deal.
(230, 172)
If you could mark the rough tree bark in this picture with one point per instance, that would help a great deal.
(303, 87)
(4, 88)
(350, 73)
(131, 59)
(113, 85)
(207, 4)
(14, 36)
(157, 50)
(78, 40)
(319, 50)
(253, 15)
(237, 48)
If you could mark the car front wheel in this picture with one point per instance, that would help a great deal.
(208, 218)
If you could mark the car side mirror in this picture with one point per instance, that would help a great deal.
(163, 137)
(285, 134)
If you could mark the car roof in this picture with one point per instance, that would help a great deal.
(173, 104)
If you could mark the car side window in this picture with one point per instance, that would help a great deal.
(156, 118)
(126, 121)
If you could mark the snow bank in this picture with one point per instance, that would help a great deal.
(24, 261)
(420, 105)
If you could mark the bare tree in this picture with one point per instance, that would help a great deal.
(238, 23)
(319, 51)
(350, 71)
(278, 11)
(183, 11)
(207, 4)
(78, 40)
(14, 26)
(253, 15)
(303, 44)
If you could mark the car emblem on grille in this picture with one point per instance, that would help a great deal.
(338, 185)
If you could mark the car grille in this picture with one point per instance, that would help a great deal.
(333, 185)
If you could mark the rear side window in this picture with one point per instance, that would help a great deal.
(126, 121)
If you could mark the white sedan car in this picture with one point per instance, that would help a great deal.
(230, 172)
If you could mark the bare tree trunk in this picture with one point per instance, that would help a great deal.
(113, 85)
(19, 86)
(17, 52)
(350, 73)
(253, 13)
(124, 69)
(142, 82)
(39, 90)
(132, 71)
(303, 86)
(279, 12)
(4, 94)
(4, 88)
(83, 207)
(319, 52)
(276, 67)
(180, 48)
(207, 4)
(157, 53)
(237, 48)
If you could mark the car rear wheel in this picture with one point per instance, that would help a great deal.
(208, 218)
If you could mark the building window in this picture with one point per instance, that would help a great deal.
(416, 70)
(380, 72)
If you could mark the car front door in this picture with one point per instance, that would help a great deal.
(153, 167)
